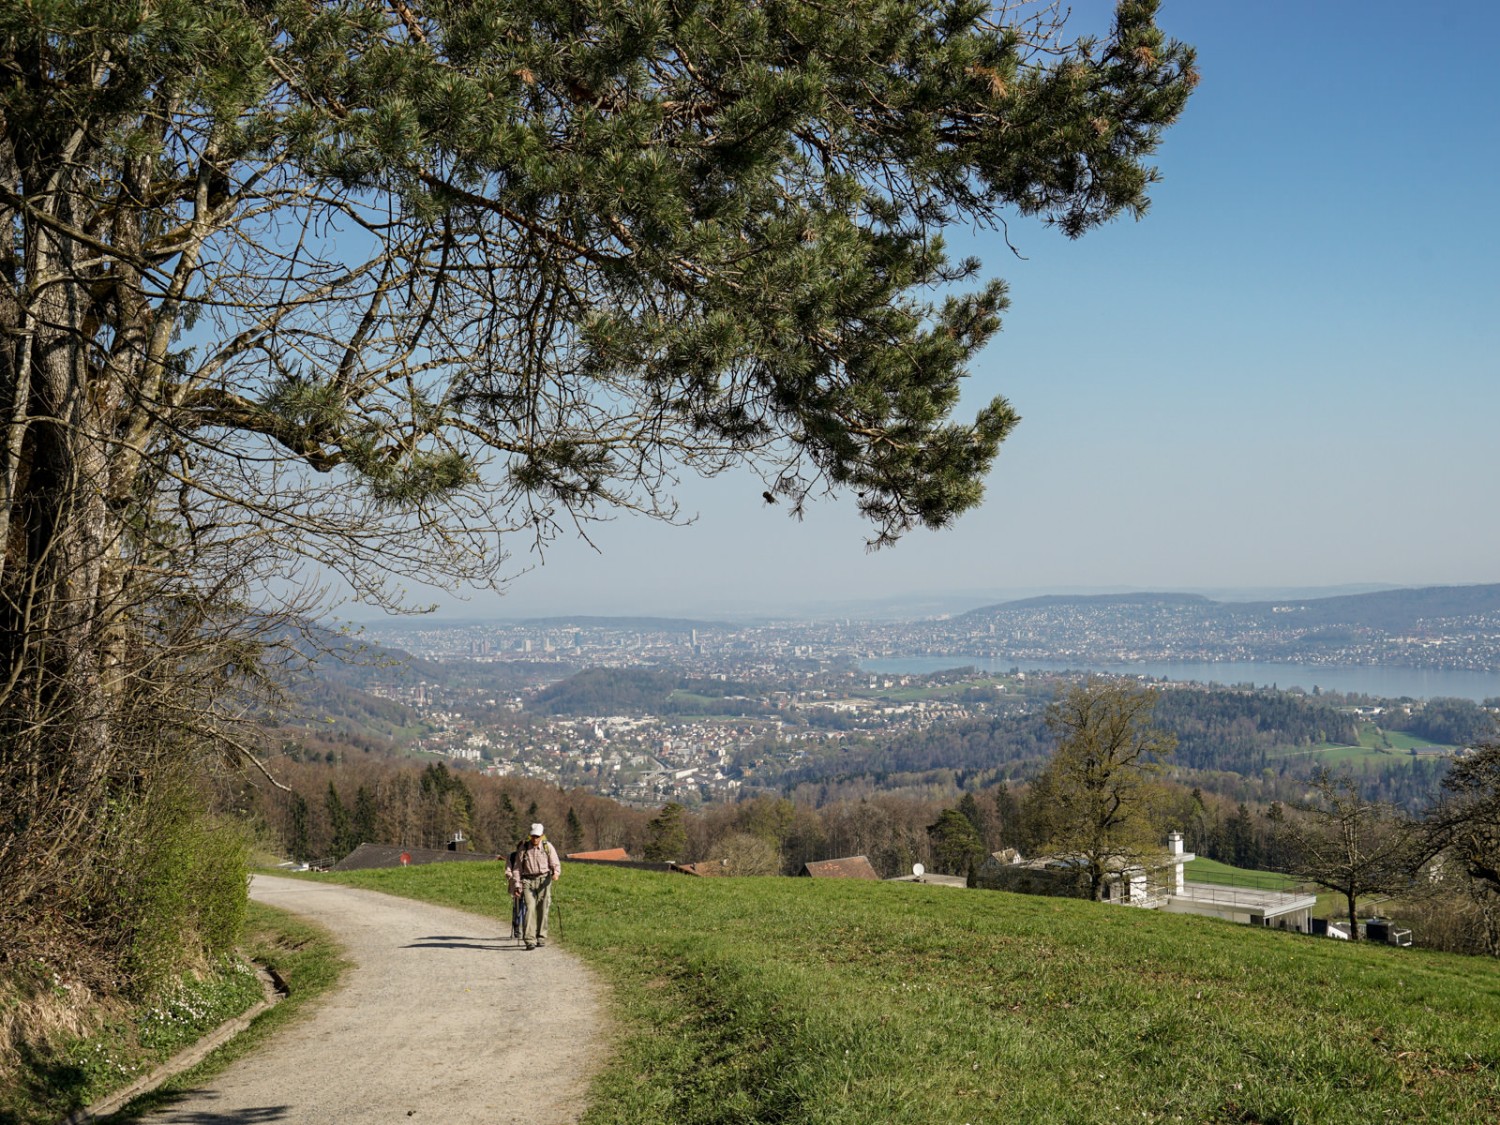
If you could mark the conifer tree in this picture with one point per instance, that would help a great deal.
(666, 835)
(395, 290)
(340, 826)
(365, 817)
(957, 847)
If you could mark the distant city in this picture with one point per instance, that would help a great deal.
(1455, 628)
(644, 709)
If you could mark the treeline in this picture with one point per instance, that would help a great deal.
(1221, 730)
(1237, 730)
(332, 808)
(1451, 722)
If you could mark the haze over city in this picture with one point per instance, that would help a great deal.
(1282, 378)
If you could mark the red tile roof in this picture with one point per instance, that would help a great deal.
(852, 867)
(616, 855)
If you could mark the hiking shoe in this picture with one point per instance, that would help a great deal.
(541, 941)
(529, 947)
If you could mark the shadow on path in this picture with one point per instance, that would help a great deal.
(240, 1115)
(496, 944)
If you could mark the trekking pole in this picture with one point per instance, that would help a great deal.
(556, 911)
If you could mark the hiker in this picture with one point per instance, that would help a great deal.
(533, 870)
(513, 885)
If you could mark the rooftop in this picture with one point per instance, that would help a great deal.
(1253, 900)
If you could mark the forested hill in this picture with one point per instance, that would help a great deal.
(1384, 609)
(1431, 627)
(1051, 601)
(1226, 731)
(1388, 609)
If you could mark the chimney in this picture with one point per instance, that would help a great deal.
(1174, 842)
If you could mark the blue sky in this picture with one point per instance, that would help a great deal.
(1284, 376)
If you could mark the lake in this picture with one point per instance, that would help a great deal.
(1387, 682)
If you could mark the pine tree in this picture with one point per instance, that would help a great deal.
(374, 286)
(365, 817)
(299, 836)
(339, 824)
(957, 847)
(509, 823)
(666, 835)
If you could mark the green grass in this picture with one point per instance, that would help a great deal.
(1203, 870)
(1376, 747)
(794, 1000)
(918, 692)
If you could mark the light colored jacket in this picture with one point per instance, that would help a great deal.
(529, 862)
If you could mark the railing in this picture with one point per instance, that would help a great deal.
(1235, 896)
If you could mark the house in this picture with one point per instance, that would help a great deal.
(853, 867)
(1155, 883)
(1253, 906)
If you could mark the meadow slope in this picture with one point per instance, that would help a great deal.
(793, 1000)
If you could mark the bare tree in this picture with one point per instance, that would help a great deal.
(1465, 825)
(1347, 844)
(1096, 801)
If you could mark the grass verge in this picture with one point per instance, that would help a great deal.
(795, 1000)
(109, 1044)
(304, 955)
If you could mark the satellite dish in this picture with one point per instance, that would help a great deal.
(918, 870)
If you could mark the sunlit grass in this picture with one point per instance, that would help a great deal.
(795, 1000)
(1202, 870)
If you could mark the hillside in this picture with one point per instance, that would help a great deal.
(793, 1000)
(1386, 627)
(1383, 609)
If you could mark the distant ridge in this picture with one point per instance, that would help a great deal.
(1382, 609)
(1133, 599)
(1392, 608)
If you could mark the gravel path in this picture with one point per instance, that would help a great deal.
(442, 1019)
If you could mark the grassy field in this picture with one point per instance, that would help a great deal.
(1376, 748)
(1376, 738)
(1203, 870)
(793, 1000)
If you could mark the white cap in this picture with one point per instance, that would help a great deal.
(536, 830)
